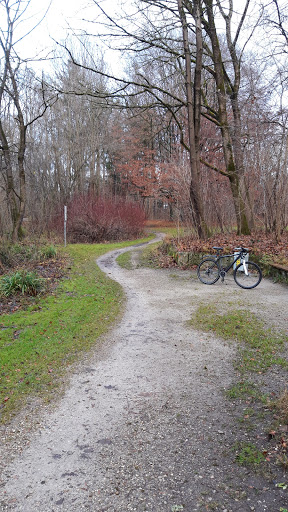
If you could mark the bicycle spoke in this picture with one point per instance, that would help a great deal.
(208, 271)
(248, 275)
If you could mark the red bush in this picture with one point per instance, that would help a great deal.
(92, 219)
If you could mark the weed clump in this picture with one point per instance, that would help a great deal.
(22, 281)
(23, 254)
(49, 252)
(247, 454)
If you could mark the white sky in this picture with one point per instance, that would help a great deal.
(55, 24)
(62, 17)
(61, 14)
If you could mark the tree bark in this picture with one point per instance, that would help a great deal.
(193, 111)
(233, 172)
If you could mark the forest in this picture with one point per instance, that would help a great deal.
(164, 109)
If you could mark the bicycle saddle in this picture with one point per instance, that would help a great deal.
(218, 248)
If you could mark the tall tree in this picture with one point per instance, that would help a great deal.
(13, 107)
(227, 85)
(193, 98)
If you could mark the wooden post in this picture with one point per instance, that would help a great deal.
(65, 224)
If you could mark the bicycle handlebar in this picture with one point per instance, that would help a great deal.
(241, 249)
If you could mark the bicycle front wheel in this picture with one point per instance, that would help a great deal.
(208, 271)
(249, 278)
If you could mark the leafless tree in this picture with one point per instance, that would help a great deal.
(14, 82)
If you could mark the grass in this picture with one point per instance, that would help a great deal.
(39, 344)
(147, 258)
(124, 260)
(247, 454)
(259, 348)
(170, 228)
(49, 252)
(244, 390)
(174, 232)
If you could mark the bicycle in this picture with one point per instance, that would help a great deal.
(246, 273)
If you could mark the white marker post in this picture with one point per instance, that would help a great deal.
(65, 224)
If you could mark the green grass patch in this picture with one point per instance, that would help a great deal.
(173, 231)
(37, 346)
(244, 390)
(124, 260)
(259, 347)
(247, 454)
(149, 256)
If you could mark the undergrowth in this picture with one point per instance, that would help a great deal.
(19, 254)
(22, 281)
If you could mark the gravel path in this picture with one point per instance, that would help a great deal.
(144, 424)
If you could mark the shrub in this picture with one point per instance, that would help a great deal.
(49, 252)
(92, 219)
(6, 255)
(21, 254)
(22, 281)
(15, 254)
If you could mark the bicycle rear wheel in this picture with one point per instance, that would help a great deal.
(249, 280)
(208, 271)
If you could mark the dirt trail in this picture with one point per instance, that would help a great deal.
(144, 424)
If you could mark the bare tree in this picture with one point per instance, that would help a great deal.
(225, 68)
(126, 91)
(184, 81)
(13, 81)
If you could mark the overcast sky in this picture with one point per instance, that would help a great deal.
(61, 15)
(55, 24)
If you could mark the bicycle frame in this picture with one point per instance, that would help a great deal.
(235, 260)
(247, 274)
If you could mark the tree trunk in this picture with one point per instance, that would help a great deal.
(231, 160)
(17, 222)
(193, 110)
(18, 231)
(12, 199)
